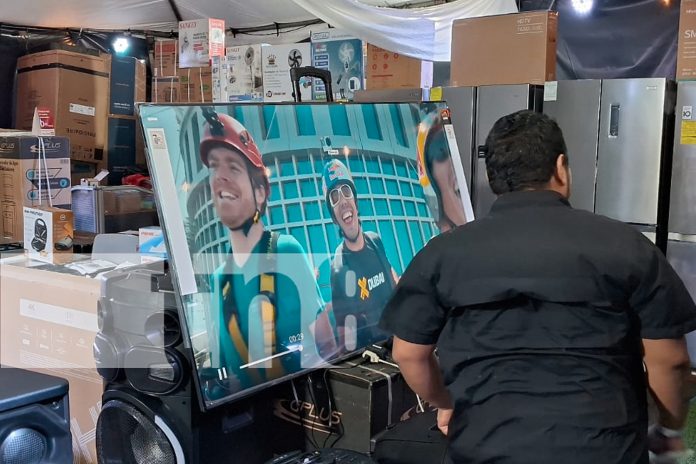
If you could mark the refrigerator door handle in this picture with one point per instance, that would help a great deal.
(614, 120)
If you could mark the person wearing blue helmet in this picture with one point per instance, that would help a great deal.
(362, 278)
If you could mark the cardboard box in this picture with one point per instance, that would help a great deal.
(121, 147)
(196, 85)
(245, 76)
(166, 58)
(389, 70)
(140, 81)
(19, 178)
(47, 324)
(686, 49)
(151, 244)
(48, 233)
(220, 78)
(341, 54)
(199, 41)
(277, 61)
(165, 89)
(128, 86)
(75, 88)
(518, 48)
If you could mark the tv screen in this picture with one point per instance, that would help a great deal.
(288, 226)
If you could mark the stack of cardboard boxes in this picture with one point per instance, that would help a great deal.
(173, 84)
(128, 87)
(165, 81)
(88, 98)
(20, 172)
(73, 88)
(182, 68)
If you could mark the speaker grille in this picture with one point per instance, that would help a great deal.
(127, 436)
(23, 446)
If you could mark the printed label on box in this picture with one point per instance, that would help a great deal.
(82, 109)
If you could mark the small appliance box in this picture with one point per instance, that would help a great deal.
(199, 41)
(686, 49)
(19, 178)
(389, 70)
(151, 244)
(244, 76)
(518, 48)
(48, 234)
(166, 58)
(342, 55)
(75, 89)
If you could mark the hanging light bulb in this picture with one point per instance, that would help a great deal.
(583, 6)
(121, 44)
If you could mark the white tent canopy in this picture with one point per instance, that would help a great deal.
(418, 32)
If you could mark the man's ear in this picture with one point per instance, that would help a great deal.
(562, 170)
(260, 194)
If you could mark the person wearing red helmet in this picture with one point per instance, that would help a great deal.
(265, 292)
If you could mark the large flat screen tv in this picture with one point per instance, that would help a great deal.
(288, 225)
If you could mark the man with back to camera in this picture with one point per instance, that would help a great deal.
(240, 189)
(361, 277)
(435, 169)
(543, 316)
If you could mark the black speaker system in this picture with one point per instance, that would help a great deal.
(34, 418)
(150, 407)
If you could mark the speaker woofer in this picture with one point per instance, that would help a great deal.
(155, 371)
(23, 446)
(127, 436)
(163, 329)
(106, 357)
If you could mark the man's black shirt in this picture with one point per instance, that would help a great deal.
(538, 311)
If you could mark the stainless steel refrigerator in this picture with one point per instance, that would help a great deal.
(681, 248)
(630, 141)
(492, 103)
(575, 105)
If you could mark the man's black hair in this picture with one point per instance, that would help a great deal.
(521, 151)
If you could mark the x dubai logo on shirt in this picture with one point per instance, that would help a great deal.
(367, 285)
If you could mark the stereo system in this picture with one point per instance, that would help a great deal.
(150, 407)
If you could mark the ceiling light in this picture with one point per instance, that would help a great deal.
(582, 6)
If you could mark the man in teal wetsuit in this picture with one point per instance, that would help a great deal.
(265, 296)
